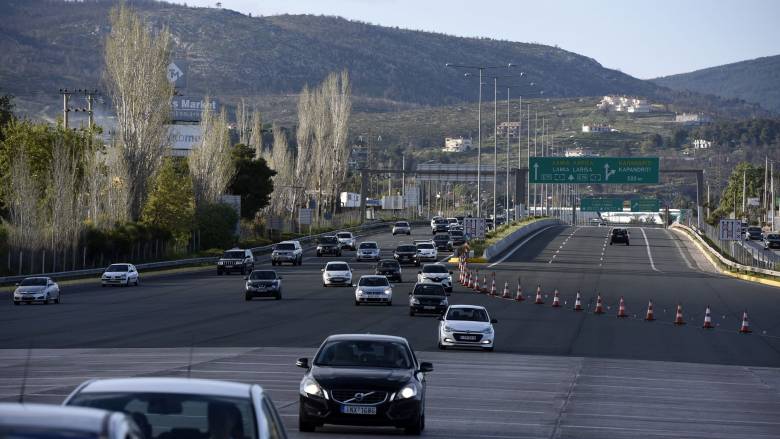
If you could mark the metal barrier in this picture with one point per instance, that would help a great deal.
(743, 252)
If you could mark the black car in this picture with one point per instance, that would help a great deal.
(428, 298)
(328, 245)
(772, 240)
(263, 283)
(363, 379)
(619, 235)
(390, 268)
(753, 233)
(457, 237)
(442, 242)
(406, 253)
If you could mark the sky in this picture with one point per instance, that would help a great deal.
(645, 38)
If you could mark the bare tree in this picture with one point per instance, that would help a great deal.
(304, 136)
(242, 122)
(338, 89)
(65, 216)
(25, 224)
(136, 63)
(256, 135)
(210, 162)
(282, 160)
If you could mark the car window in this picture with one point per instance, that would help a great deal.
(364, 353)
(467, 314)
(344, 235)
(402, 224)
(441, 237)
(429, 290)
(425, 246)
(368, 245)
(33, 282)
(388, 264)
(262, 275)
(337, 267)
(773, 236)
(754, 229)
(441, 221)
(287, 246)
(329, 240)
(434, 269)
(373, 282)
(406, 248)
(456, 233)
(234, 255)
(118, 268)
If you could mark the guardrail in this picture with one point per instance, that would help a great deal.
(502, 245)
(734, 266)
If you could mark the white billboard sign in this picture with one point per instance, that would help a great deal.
(304, 216)
(730, 230)
(182, 138)
(190, 109)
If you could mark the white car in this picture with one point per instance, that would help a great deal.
(435, 273)
(466, 326)
(368, 250)
(337, 273)
(426, 251)
(120, 274)
(37, 289)
(402, 227)
(185, 407)
(374, 289)
(346, 240)
(55, 421)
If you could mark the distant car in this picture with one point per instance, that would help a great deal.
(440, 225)
(373, 289)
(57, 422)
(434, 219)
(368, 250)
(426, 251)
(452, 222)
(402, 228)
(466, 326)
(263, 283)
(489, 223)
(595, 221)
(772, 240)
(37, 289)
(363, 379)
(287, 251)
(328, 245)
(619, 235)
(457, 238)
(436, 273)
(337, 273)
(346, 240)
(185, 407)
(236, 259)
(753, 233)
(406, 253)
(443, 242)
(427, 298)
(120, 274)
(389, 268)
(460, 219)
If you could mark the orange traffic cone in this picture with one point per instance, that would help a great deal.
(506, 295)
(539, 300)
(519, 296)
(622, 308)
(649, 317)
(493, 285)
(745, 327)
(599, 306)
(468, 279)
(556, 300)
(678, 318)
(484, 289)
(578, 302)
(475, 287)
(707, 319)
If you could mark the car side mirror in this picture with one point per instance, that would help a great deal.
(450, 272)
(410, 294)
(426, 367)
(303, 363)
(322, 270)
(441, 318)
(17, 284)
(419, 272)
(279, 277)
(493, 321)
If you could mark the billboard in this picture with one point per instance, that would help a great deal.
(190, 108)
(177, 73)
(183, 138)
(588, 170)
(474, 228)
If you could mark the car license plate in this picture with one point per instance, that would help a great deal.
(358, 410)
(429, 307)
(261, 289)
(468, 337)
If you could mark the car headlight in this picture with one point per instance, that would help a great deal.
(388, 291)
(488, 330)
(359, 291)
(415, 301)
(311, 387)
(408, 391)
(448, 328)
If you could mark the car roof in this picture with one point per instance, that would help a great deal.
(37, 277)
(289, 242)
(187, 386)
(434, 264)
(52, 416)
(467, 307)
(368, 242)
(373, 276)
(377, 337)
(336, 262)
(387, 260)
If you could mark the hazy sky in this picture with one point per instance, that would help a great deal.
(645, 38)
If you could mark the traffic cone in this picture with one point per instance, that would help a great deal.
(578, 302)
(476, 282)
(707, 319)
(678, 317)
(622, 308)
(506, 295)
(484, 288)
(649, 317)
(468, 279)
(745, 327)
(556, 300)
(493, 285)
(519, 296)
(539, 300)
(599, 306)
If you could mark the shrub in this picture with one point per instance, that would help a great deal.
(217, 225)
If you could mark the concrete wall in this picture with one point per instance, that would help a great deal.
(506, 243)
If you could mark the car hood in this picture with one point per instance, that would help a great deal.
(115, 273)
(429, 297)
(368, 250)
(373, 289)
(465, 325)
(434, 275)
(345, 239)
(361, 378)
(31, 289)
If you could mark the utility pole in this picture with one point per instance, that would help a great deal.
(772, 194)
(90, 94)
(744, 191)
(495, 145)
(65, 108)
(528, 159)
(506, 198)
(536, 130)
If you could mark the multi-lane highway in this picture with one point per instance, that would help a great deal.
(555, 372)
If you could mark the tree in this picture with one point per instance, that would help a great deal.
(217, 225)
(136, 63)
(6, 113)
(211, 164)
(171, 203)
(252, 180)
(731, 197)
(256, 134)
(282, 160)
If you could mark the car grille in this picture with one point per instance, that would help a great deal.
(429, 302)
(230, 262)
(460, 337)
(364, 397)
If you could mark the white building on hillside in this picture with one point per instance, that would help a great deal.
(596, 128)
(452, 144)
(692, 118)
(624, 104)
(702, 144)
(579, 152)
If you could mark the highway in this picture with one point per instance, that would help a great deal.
(555, 373)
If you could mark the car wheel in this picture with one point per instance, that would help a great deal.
(610, 242)
(137, 281)
(390, 303)
(415, 429)
(16, 302)
(490, 349)
(442, 347)
(303, 424)
(339, 253)
(46, 300)
(357, 303)
(626, 242)
(278, 295)
(318, 254)
(247, 297)
(219, 273)
(57, 300)
(411, 312)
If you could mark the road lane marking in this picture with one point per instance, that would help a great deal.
(647, 246)
(520, 245)
(679, 249)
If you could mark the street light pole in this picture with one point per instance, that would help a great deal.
(506, 198)
(495, 144)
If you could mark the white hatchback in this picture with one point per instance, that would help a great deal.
(120, 274)
(337, 273)
(374, 289)
(466, 326)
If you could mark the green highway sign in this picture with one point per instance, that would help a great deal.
(593, 170)
(590, 204)
(645, 205)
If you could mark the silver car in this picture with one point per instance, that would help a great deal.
(374, 289)
(368, 251)
(346, 240)
(37, 289)
(57, 422)
(183, 407)
(436, 273)
(466, 326)
(402, 228)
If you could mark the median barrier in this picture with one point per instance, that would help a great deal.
(504, 244)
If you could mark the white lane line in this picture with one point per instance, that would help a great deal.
(679, 249)
(520, 245)
(647, 246)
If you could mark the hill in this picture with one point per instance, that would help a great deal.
(51, 44)
(756, 80)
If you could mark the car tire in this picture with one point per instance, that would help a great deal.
(442, 347)
(357, 303)
(411, 312)
(137, 281)
(490, 349)
(247, 297)
(304, 426)
(627, 243)
(57, 300)
(278, 295)
(390, 303)
(610, 242)
(46, 300)
(16, 302)
(416, 428)
(219, 273)
(318, 254)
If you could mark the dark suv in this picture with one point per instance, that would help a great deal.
(406, 253)
(619, 235)
(389, 268)
(236, 259)
(443, 242)
(440, 225)
(457, 237)
(428, 298)
(328, 245)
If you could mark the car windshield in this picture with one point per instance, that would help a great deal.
(441, 221)
(373, 282)
(262, 275)
(44, 433)
(468, 314)
(368, 245)
(754, 229)
(441, 238)
(424, 246)
(344, 235)
(233, 255)
(406, 248)
(364, 353)
(165, 415)
(286, 246)
(428, 290)
(456, 233)
(402, 224)
(618, 232)
(34, 282)
(388, 264)
(452, 220)
(434, 269)
(329, 240)
(116, 268)
(337, 267)
(773, 236)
